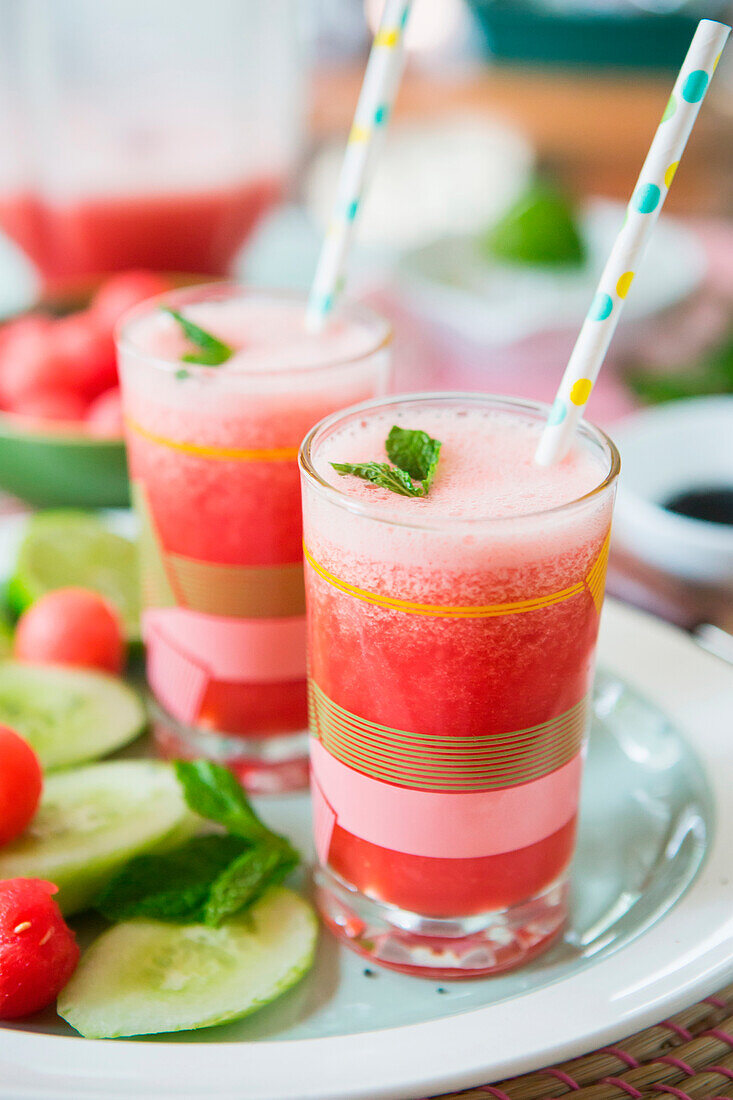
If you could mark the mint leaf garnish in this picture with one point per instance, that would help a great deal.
(211, 352)
(247, 878)
(172, 887)
(208, 878)
(416, 453)
(382, 474)
(211, 791)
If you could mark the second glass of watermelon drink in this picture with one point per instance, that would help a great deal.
(213, 463)
(451, 651)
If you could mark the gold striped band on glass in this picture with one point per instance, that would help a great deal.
(238, 591)
(430, 763)
(233, 591)
(222, 454)
(446, 611)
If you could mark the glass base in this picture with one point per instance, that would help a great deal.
(464, 947)
(263, 765)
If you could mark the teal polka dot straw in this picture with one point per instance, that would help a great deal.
(378, 90)
(628, 249)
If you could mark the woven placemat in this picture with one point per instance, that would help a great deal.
(689, 1055)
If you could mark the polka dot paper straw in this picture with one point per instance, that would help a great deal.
(628, 249)
(378, 91)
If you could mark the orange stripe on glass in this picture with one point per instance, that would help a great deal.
(222, 454)
(447, 611)
(594, 583)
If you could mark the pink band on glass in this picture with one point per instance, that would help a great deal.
(186, 649)
(433, 823)
(231, 649)
(178, 683)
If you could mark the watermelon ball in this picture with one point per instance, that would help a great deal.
(38, 951)
(122, 292)
(71, 626)
(51, 405)
(104, 415)
(21, 781)
(28, 363)
(86, 352)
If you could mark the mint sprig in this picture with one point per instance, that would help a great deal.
(415, 455)
(211, 352)
(212, 792)
(209, 878)
(247, 877)
(172, 887)
(382, 474)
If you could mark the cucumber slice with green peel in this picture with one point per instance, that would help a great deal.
(68, 715)
(76, 549)
(144, 977)
(92, 820)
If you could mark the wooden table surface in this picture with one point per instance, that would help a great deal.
(591, 128)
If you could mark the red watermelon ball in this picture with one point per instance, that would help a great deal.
(86, 351)
(71, 626)
(21, 782)
(29, 364)
(38, 950)
(104, 415)
(123, 292)
(52, 405)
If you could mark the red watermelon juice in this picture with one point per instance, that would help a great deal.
(188, 231)
(451, 643)
(213, 463)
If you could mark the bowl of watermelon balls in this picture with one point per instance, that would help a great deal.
(60, 411)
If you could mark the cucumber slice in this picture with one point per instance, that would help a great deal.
(144, 977)
(68, 715)
(67, 549)
(92, 820)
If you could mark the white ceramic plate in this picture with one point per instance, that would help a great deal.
(653, 808)
(493, 304)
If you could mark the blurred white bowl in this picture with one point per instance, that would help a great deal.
(456, 174)
(665, 451)
(494, 304)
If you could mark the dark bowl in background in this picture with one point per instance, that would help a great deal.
(535, 33)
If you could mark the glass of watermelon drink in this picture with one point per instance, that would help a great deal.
(213, 462)
(451, 650)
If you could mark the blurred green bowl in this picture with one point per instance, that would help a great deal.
(52, 466)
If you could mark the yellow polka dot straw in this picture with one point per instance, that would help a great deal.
(378, 91)
(628, 248)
